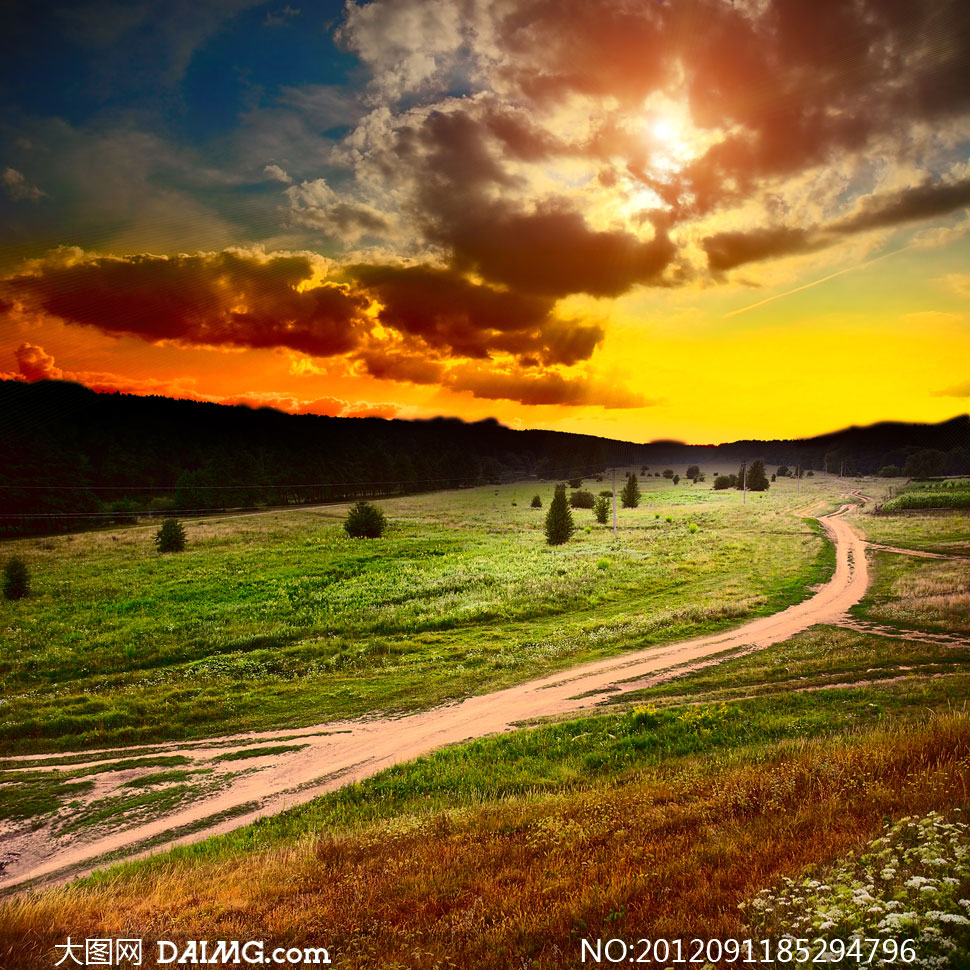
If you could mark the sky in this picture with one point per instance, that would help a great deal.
(694, 219)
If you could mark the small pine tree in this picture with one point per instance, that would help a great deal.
(757, 479)
(16, 579)
(170, 537)
(693, 472)
(602, 509)
(630, 496)
(365, 521)
(676, 479)
(559, 520)
(537, 501)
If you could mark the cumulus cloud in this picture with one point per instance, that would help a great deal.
(521, 180)
(229, 299)
(277, 174)
(410, 324)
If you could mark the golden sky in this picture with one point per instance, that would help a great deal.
(702, 220)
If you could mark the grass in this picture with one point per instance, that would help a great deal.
(922, 594)
(280, 619)
(263, 752)
(674, 848)
(658, 816)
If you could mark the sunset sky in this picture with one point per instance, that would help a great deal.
(697, 219)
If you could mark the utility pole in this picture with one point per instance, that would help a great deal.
(614, 502)
(744, 484)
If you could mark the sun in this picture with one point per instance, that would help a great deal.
(664, 130)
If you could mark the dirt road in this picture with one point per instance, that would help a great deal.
(338, 753)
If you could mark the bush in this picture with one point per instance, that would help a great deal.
(16, 579)
(559, 520)
(607, 493)
(582, 500)
(602, 509)
(676, 479)
(783, 471)
(630, 495)
(693, 473)
(724, 481)
(170, 537)
(575, 483)
(365, 521)
(890, 471)
(537, 501)
(668, 473)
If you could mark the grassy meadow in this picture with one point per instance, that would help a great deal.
(280, 619)
(689, 809)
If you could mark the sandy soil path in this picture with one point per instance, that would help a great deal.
(364, 747)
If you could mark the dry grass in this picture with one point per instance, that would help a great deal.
(517, 883)
(925, 594)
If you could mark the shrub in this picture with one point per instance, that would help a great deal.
(783, 471)
(582, 500)
(890, 471)
(602, 509)
(537, 501)
(676, 479)
(724, 481)
(630, 495)
(365, 521)
(668, 473)
(692, 528)
(607, 493)
(603, 563)
(693, 473)
(559, 520)
(575, 482)
(170, 537)
(16, 579)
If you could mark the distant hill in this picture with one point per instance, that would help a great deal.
(73, 456)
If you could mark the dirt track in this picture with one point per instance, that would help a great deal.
(341, 752)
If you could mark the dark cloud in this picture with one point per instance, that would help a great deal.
(601, 48)
(548, 388)
(552, 251)
(725, 250)
(908, 205)
(450, 314)
(211, 299)
(393, 366)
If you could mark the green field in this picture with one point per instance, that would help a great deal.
(686, 809)
(280, 619)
